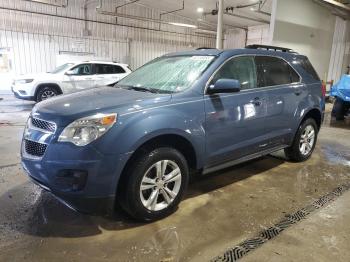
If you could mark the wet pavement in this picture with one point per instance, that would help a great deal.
(219, 211)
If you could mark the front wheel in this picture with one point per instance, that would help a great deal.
(45, 93)
(304, 141)
(155, 184)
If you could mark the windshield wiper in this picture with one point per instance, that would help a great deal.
(144, 89)
(138, 88)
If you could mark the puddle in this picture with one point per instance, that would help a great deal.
(336, 155)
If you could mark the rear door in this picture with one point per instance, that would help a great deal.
(284, 92)
(107, 74)
(235, 122)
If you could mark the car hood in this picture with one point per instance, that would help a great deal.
(67, 108)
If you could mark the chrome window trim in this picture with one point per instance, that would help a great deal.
(256, 88)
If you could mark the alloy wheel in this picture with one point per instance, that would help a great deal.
(160, 185)
(307, 140)
(47, 94)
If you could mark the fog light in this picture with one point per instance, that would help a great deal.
(22, 92)
(71, 180)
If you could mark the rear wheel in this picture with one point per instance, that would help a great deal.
(339, 109)
(45, 93)
(155, 184)
(304, 141)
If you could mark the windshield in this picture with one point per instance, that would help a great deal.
(167, 74)
(61, 68)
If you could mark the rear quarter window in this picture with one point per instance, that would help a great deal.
(307, 66)
(104, 69)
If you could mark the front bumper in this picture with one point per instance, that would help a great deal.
(97, 205)
(18, 95)
(96, 193)
(82, 177)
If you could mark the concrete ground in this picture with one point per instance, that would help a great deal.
(219, 211)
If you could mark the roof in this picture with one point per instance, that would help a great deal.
(231, 52)
(99, 62)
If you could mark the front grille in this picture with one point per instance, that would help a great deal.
(34, 148)
(45, 125)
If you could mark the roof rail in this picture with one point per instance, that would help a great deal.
(202, 48)
(270, 47)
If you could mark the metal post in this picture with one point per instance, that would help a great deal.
(220, 25)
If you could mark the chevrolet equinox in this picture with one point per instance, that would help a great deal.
(137, 143)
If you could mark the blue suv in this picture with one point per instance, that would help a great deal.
(137, 143)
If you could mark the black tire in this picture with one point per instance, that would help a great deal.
(129, 196)
(293, 152)
(43, 92)
(339, 109)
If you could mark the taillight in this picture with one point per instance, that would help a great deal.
(323, 89)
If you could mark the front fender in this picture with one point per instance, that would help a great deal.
(133, 130)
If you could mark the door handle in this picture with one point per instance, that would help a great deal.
(87, 78)
(256, 101)
(297, 92)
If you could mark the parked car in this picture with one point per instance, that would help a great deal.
(183, 113)
(68, 78)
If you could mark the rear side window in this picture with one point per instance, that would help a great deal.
(273, 71)
(104, 69)
(307, 66)
(241, 68)
(118, 69)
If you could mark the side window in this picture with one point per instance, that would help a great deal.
(105, 69)
(295, 78)
(84, 69)
(118, 70)
(274, 71)
(307, 66)
(240, 68)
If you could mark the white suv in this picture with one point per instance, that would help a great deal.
(68, 78)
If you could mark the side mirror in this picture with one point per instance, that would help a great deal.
(70, 73)
(225, 86)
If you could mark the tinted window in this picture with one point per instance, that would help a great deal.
(104, 69)
(84, 69)
(240, 68)
(307, 66)
(274, 71)
(118, 69)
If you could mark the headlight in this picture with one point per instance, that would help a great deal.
(23, 81)
(85, 130)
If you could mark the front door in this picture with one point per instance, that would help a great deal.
(235, 122)
(80, 77)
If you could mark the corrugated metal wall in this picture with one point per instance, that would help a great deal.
(339, 49)
(36, 39)
(259, 34)
(235, 38)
